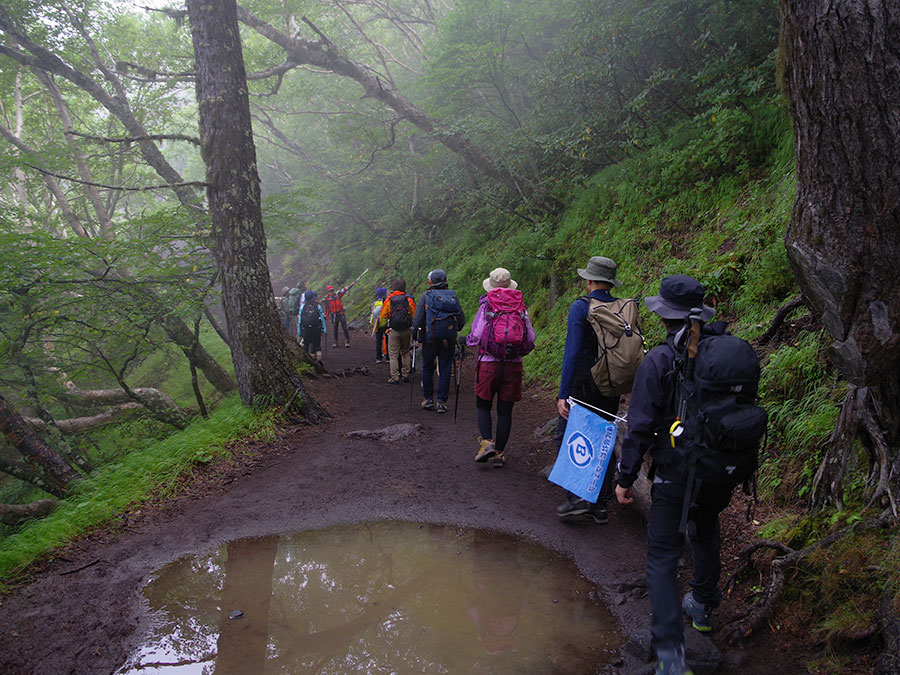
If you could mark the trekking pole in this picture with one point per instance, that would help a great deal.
(412, 373)
(693, 485)
(361, 275)
(458, 367)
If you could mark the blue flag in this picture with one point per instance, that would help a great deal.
(584, 455)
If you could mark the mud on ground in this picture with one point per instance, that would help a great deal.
(83, 611)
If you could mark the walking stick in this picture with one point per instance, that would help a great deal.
(458, 367)
(412, 373)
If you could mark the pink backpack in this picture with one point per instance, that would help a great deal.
(505, 335)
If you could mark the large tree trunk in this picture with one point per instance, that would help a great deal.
(20, 436)
(265, 372)
(842, 71)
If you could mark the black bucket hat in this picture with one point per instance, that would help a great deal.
(678, 295)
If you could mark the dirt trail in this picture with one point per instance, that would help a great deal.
(89, 620)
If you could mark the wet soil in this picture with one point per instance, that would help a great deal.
(83, 611)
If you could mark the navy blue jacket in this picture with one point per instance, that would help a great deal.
(581, 344)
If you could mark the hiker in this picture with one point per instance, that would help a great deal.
(503, 333)
(334, 309)
(577, 381)
(312, 325)
(437, 321)
(290, 305)
(379, 327)
(397, 314)
(651, 412)
(283, 310)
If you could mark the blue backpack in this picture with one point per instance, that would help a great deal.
(442, 312)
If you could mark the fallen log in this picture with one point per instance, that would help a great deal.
(13, 514)
(76, 424)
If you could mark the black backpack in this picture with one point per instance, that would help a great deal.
(721, 426)
(399, 313)
(309, 315)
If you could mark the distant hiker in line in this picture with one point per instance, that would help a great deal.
(334, 309)
(379, 327)
(283, 310)
(437, 321)
(503, 334)
(312, 325)
(577, 380)
(397, 314)
(655, 403)
(290, 305)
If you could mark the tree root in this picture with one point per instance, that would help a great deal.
(756, 616)
(780, 316)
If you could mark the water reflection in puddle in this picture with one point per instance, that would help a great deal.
(383, 597)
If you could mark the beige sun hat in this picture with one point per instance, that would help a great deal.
(499, 278)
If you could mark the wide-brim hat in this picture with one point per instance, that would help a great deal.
(499, 278)
(600, 268)
(678, 295)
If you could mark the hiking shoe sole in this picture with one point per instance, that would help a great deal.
(575, 511)
(440, 408)
(486, 453)
(499, 461)
(692, 608)
(601, 518)
(428, 404)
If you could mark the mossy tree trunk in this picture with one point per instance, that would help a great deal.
(264, 370)
(842, 71)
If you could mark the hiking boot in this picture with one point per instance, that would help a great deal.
(577, 507)
(378, 361)
(404, 379)
(486, 449)
(393, 380)
(699, 613)
(498, 461)
(347, 345)
(670, 661)
(599, 512)
(334, 345)
(440, 408)
(427, 404)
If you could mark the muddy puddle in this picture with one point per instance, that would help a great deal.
(384, 597)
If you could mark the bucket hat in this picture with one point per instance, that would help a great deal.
(499, 278)
(600, 268)
(437, 276)
(380, 293)
(678, 295)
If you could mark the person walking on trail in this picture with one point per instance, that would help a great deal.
(290, 306)
(438, 319)
(650, 413)
(576, 380)
(283, 309)
(334, 309)
(397, 314)
(312, 325)
(379, 327)
(503, 334)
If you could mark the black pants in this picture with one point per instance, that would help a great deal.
(337, 319)
(312, 339)
(664, 547)
(379, 342)
(587, 391)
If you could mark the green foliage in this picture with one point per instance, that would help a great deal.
(151, 471)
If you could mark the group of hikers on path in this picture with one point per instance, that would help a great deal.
(692, 406)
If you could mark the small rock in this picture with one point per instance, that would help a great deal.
(390, 434)
(236, 614)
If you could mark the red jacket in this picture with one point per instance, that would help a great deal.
(333, 304)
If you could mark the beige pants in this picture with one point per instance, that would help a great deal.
(398, 352)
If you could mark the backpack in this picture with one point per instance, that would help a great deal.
(505, 334)
(309, 315)
(721, 425)
(620, 344)
(291, 303)
(442, 309)
(376, 311)
(399, 313)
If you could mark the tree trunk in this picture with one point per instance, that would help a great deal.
(264, 370)
(13, 514)
(842, 71)
(20, 435)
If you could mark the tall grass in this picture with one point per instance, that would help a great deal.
(112, 489)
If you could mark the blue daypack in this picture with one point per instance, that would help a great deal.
(442, 312)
